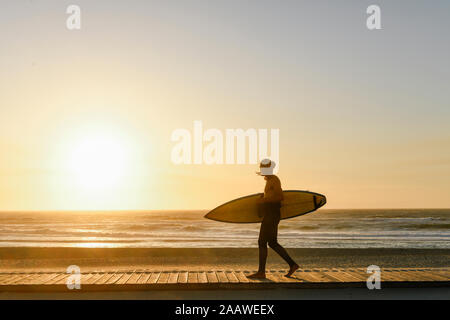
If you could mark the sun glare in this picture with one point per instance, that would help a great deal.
(98, 162)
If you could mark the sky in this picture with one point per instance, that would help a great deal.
(86, 116)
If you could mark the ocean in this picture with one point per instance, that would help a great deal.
(387, 228)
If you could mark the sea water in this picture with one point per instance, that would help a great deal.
(386, 228)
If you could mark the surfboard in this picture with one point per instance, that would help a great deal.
(245, 209)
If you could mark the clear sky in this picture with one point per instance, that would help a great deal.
(363, 115)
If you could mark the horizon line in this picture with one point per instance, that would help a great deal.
(171, 210)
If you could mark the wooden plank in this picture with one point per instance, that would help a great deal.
(443, 271)
(388, 277)
(202, 277)
(444, 276)
(241, 277)
(212, 277)
(192, 277)
(295, 278)
(320, 277)
(105, 278)
(362, 272)
(134, 278)
(268, 278)
(173, 277)
(115, 278)
(183, 277)
(399, 275)
(124, 278)
(60, 280)
(6, 276)
(26, 279)
(41, 279)
(13, 278)
(338, 276)
(350, 276)
(163, 277)
(359, 275)
(221, 276)
(85, 277)
(410, 276)
(311, 276)
(392, 275)
(144, 278)
(231, 277)
(94, 278)
(62, 276)
(416, 275)
(332, 276)
(278, 277)
(273, 276)
(154, 277)
(305, 276)
(49, 278)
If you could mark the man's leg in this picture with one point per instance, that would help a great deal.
(281, 252)
(273, 243)
(262, 245)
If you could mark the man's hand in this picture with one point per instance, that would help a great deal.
(261, 198)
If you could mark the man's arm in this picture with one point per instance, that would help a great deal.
(273, 193)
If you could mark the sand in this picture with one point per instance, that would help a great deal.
(93, 259)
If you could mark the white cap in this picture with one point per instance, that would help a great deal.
(266, 167)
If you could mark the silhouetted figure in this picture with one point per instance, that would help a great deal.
(269, 209)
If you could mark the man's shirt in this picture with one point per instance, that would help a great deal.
(273, 191)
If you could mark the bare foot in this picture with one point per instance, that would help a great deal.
(292, 270)
(258, 275)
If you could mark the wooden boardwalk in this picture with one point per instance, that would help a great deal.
(222, 279)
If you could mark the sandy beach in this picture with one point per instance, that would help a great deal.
(58, 259)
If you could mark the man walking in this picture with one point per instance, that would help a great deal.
(269, 209)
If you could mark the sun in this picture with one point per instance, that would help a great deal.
(98, 162)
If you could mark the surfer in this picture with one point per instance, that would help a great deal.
(269, 209)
